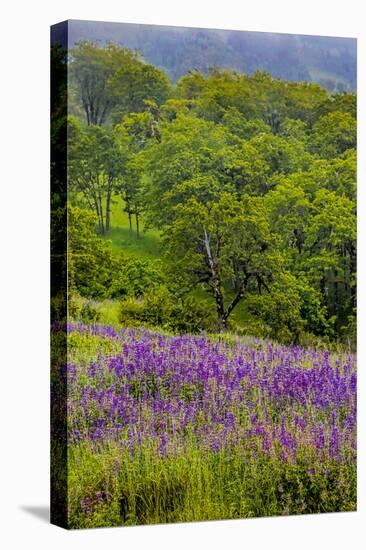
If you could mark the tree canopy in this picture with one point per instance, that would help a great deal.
(249, 180)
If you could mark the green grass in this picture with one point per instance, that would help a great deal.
(193, 486)
(147, 246)
(109, 312)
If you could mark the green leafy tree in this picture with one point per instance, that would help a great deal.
(293, 128)
(220, 244)
(244, 168)
(173, 107)
(242, 127)
(281, 311)
(331, 252)
(174, 313)
(135, 277)
(132, 188)
(111, 81)
(333, 134)
(96, 166)
(187, 156)
(89, 257)
(135, 133)
(136, 83)
(92, 69)
(283, 156)
(289, 210)
(341, 102)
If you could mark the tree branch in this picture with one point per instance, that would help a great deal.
(234, 303)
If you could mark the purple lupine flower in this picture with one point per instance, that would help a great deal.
(170, 392)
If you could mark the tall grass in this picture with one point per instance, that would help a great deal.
(113, 488)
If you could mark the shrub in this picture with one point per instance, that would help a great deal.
(280, 309)
(160, 307)
(133, 277)
(89, 257)
(81, 309)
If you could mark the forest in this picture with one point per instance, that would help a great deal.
(222, 202)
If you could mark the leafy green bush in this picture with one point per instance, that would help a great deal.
(134, 276)
(132, 312)
(81, 309)
(280, 310)
(89, 314)
(160, 307)
(89, 257)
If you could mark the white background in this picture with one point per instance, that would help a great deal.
(24, 271)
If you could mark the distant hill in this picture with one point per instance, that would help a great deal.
(329, 61)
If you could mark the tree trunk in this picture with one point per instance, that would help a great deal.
(234, 303)
(97, 209)
(336, 300)
(137, 225)
(215, 283)
(219, 299)
(130, 221)
(353, 268)
(222, 324)
(108, 209)
(102, 228)
(323, 290)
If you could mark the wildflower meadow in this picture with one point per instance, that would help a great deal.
(184, 428)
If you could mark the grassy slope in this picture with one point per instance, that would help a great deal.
(147, 246)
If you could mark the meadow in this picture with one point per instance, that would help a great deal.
(165, 428)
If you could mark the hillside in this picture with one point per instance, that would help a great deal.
(329, 61)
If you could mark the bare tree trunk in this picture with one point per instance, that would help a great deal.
(323, 289)
(220, 308)
(108, 208)
(100, 204)
(108, 215)
(222, 321)
(137, 224)
(102, 228)
(97, 209)
(234, 303)
(130, 222)
(104, 113)
(128, 209)
(215, 284)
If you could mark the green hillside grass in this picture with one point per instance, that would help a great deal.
(147, 246)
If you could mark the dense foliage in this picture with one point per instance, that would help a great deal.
(249, 180)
